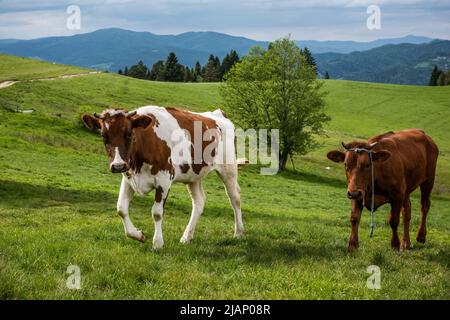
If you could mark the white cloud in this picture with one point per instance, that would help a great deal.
(260, 19)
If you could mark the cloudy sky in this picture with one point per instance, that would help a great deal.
(257, 19)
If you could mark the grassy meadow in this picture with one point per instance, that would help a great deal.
(57, 202)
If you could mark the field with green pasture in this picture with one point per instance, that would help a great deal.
(57, 202)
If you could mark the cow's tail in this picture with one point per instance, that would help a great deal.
(241, 162)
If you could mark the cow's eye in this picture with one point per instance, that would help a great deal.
(367, 165)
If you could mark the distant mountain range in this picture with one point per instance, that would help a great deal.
(398, 64)
(399, 60)
(350, 46)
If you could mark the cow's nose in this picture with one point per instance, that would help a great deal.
(118, 168)
(354, 194)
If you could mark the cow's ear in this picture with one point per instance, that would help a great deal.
(91, 122)
(336, 156)
(381, 155)
(141, 121)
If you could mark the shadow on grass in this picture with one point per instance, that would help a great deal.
(312, 177)
(24, 195)
(269, 252)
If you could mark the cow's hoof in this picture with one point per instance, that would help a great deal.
(158, 244)
(142, 238)
(185, 239)
(395, 245)
(137, 235)
(421, 237)
(238, 234)
(353, 245)
(405, 245)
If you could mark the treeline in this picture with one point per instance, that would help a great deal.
(171, 70)
(439, 77)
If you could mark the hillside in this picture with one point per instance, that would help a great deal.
(58, 203)
(397, 64)
(351, 46)
(14, 69)
(113, 49)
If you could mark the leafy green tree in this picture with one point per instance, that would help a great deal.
(138, 70)
(277, 89)
(120, 72)
(327, 75)
(158, 72)
(125, 72)
(173, 70)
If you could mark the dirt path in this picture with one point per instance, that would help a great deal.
(8, 83)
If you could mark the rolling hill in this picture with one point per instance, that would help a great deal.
(58, 202)
(113, 49)
(397, 64)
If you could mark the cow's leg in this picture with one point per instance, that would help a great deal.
(394, 220)
(198, 203)
(425, 201)
(161, 193)
(228, 174)
(125, 195)
(406, 213)
(355, 217)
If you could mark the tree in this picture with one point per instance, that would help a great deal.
(120, 72)
(444, 79)
(228, 62)
(125, 72)
(172, 69)
(310, 59)
(157, 72)
(327, 75)
(277, 89)
(188, 74)
(138, 70)
(198, 72)
(434, 76)
(212, 70)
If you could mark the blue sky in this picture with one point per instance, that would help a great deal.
(257, 19)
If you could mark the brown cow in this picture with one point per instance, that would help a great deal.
(403, 161)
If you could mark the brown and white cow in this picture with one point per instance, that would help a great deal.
(403, 161)
(154, 147)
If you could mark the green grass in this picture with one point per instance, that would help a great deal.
(57, 204)
(18, 69)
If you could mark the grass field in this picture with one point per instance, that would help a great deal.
(57, 203)
(19, 69)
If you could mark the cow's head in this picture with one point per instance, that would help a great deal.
(357, 163)
(116, 127)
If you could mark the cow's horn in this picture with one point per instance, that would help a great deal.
(373, 145)
(345, 147)
(130, 114)
(98, 116)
